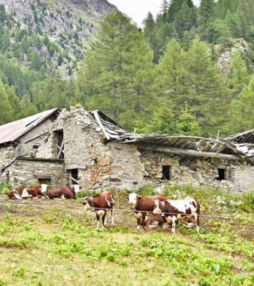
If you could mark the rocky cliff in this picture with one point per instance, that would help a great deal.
(66, 23)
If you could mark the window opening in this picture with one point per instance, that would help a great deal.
(59, 144)
(166, 173)
(221, 174)
(44, 181)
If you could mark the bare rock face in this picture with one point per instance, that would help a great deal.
(236, 44)
(99, 8)
(67, 23)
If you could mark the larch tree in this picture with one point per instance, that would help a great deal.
(6, 111)
(118, 71)
(205, 93)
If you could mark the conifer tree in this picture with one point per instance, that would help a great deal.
(184, 20)
(242, 110)
(6, 111)
(206, 13)
(205, 93)
(170, 71)
(118, 69)
(238, 76)
(174, 8)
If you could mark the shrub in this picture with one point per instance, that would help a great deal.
(85, 193)
(146, 191)
(5, 185)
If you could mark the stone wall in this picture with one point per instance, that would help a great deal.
(41, 147)
(187, 170)
(7, 154)
(243, 178)
(106, 165)
(27, 172)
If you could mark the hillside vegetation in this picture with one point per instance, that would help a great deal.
(58, 244)
(189, 71)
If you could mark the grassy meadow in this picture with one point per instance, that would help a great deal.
(58, 244)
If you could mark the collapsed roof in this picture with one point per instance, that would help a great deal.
(170, 143)
(239, 146)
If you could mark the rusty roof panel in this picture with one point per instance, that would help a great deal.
(14, 130)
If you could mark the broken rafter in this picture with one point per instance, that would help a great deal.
(37, 136)
(193, 153)
(60, 150)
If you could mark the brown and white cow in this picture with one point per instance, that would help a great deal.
(142, 206)
(178, 210)
(101, 203)
(29, 192)
(64, 192)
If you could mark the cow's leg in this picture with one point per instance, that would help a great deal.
(174, 224)
(196, 217)
(138, 216)
(103, 219)
(143, 221)
(98, 220)
(165, 223)
(112, 216)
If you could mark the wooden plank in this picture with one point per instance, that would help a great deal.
(97, 118)
(76, 166)
(192, 153)
(61, 150)
(37, 136)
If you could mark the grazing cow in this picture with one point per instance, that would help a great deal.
(178, 210)
(154, 221)
(143, 205)
(64, 192)
(101, 203)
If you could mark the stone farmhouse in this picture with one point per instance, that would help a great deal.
(87, 147)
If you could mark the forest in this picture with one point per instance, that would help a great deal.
(187, 71)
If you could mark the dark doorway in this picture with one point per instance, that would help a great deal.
(166, 173)
(59, 144)
(74, 177)
(222, 174)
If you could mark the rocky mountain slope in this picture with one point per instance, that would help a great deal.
(50, 32)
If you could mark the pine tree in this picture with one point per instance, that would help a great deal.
(149, 30)
(6, 111)
(206, 14)
(242, 110)
(205, 93)
(184, 20)
(238, 76)
(117, 72)
(170, 75)
(174, 8)
(164, 6)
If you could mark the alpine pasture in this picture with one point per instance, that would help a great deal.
(46, 242)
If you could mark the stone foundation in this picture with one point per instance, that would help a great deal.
(29, 172)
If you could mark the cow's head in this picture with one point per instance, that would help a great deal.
(44, 188)
(157, 209)
(86, 204)
(76, 189)
(110, 201)
(133, 199)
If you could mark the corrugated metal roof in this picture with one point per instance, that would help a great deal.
(14, 130)
(113, 132)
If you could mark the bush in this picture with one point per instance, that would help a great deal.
(85, 193)
(248, 201)
(146, 191)
(5, 185)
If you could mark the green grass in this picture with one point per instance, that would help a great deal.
(59, 245)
